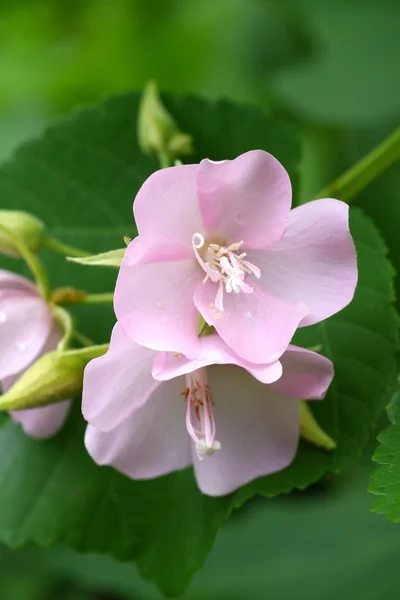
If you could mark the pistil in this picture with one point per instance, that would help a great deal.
(200, 422)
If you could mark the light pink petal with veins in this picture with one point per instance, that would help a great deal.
(151, 442)
(154, 305)
(258, 430)
(213, 350)
(166, 208)
(246, 199)
(11, 281)
(306, 374)
(44, 422)
(257, 326)
(25, 324)
(315, 262)
(118, 383)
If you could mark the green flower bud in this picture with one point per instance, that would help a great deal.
(311, 431)
(158, 132)
(24, 226)
(55, 377)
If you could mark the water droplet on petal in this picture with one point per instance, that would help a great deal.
(22, 346)
(3, 318)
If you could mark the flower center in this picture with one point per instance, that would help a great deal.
(224, 265)
(200, 422)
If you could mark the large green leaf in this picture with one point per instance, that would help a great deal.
(80, 178)
(273, 548)
(385, 481)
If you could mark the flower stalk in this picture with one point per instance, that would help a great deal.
(358, 177)
(31, 260)
(53, 244)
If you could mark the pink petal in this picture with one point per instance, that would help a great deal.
(258, 430)
(305, 375)
(257, 326)
(44, 422)
(247, 199)
(51, 344)
(118, 383)
(41, 423)
(154, 305)
(25, 323)
(11, 281)
(166, 208)
(213, 350)
(315, 262)
(150, 443)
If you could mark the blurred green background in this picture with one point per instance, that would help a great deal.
(332, 68)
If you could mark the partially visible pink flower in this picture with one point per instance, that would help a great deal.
(27, 331)
(220, 239)
(152, 413)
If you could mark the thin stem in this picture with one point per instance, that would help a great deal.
(64, 319)
(107, 297)
(165, 159)
(57, 246)
(32, 261)
(83, 339)
(353, 181)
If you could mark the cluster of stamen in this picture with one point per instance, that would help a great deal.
(225, 266)
(200, 422)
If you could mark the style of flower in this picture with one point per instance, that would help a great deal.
(220, 239)
(151, 412)
(27, 331)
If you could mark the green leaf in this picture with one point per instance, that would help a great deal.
(303, 547)
(81, 178)
(112, 258)
(385, 481)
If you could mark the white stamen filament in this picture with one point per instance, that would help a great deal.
(199, 408)
(225, 266)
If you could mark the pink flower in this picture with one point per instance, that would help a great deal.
(152, 413)
(219, 239)
(27, 331)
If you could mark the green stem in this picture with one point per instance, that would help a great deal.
(32, 261)
(165, 159)
(353, 181)
(83, 339)
(57, 246)
(64, 319)
(107, 297)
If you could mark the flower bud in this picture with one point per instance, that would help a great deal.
(311, 431)
(23, 225)
(158, 132)
(55, 377)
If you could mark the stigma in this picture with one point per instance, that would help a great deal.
(200, 422)
(225, 266)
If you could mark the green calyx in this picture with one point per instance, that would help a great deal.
(55, 377)
(311, 431)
